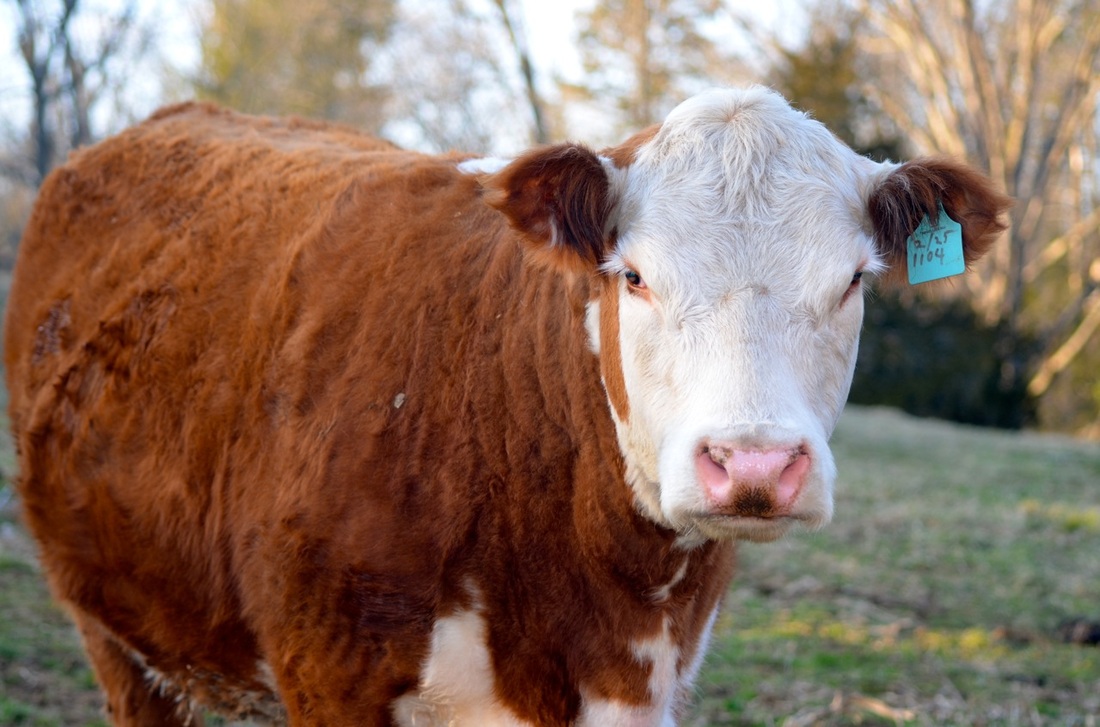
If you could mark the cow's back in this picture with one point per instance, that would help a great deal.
(170, 210)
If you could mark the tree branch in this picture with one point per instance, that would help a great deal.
(1065, 354)
(527, 70)
(1060, 246)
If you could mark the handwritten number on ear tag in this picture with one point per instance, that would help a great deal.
(935, 250)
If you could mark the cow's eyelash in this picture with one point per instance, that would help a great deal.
(854, 285)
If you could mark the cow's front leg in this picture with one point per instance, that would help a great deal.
(135, 698)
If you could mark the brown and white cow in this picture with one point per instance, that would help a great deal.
(319, 430)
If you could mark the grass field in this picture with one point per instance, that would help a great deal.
(935, 597)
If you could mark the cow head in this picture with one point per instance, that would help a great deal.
(730, 246)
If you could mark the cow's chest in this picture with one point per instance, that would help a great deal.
(457, 682)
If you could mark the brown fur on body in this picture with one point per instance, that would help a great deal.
(281, 393)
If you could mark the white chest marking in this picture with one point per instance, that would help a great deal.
(661, 594)
(662, 654)
(456, 682)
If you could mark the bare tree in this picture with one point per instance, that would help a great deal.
(1014, 86)
(822, 72)
(439, 75)
(67, 77)
(70, 65)
(645, 56)
(306, 57)
(511, 18)
(461, 69)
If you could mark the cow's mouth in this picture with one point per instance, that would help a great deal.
(755, 528)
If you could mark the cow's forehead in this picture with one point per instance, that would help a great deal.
(737, 188)
(746, 136)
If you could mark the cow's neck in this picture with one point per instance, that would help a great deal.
(621, 547)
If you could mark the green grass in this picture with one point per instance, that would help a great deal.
(934, 598)
(44, 679)
(935, 595)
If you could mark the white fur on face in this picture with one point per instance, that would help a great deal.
(747, 222)
(483, 165)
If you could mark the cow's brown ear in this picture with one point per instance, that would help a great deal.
(917, 188)
(558, 198)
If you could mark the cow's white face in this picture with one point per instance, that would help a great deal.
(732, 243)
(741, 236)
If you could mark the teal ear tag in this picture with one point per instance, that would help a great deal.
(935, 251)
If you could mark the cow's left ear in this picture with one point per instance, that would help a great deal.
(558, 198)
(899, 202)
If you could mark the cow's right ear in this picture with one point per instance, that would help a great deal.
(558, 198)
(916, 189)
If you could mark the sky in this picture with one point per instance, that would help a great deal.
(549, 25)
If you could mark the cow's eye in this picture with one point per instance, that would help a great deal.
(852, 286)
(633, 279)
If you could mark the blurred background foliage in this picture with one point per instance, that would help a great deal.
(1012, 86)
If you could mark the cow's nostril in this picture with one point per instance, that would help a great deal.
(719, 455)
(791, 478)
(713, 475)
